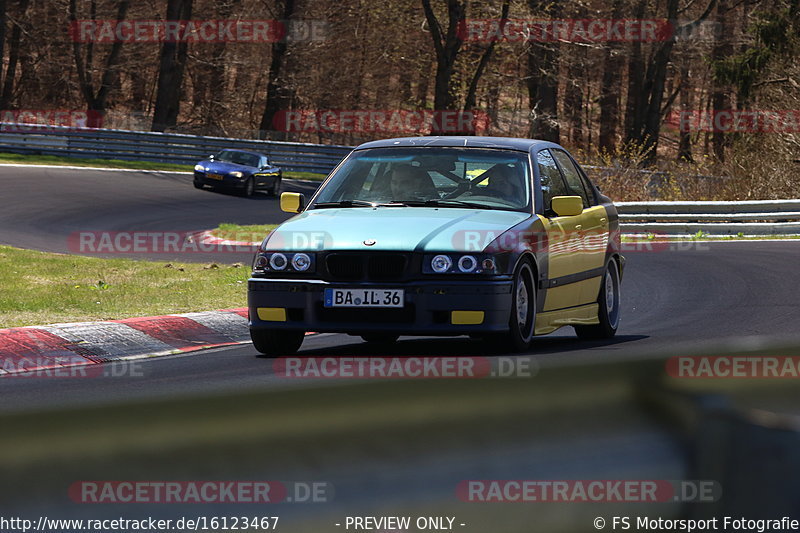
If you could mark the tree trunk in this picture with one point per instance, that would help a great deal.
(573, 101)
(636, 97)
(446, 47)
(686, 101)
(171, 69)
(279, 94)
(542, 79)
(609, 90)
(655, 82)
(96, 101)
(3, 21)
(723, 48)
(13, 57)
(469, 102)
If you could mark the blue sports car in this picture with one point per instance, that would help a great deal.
(246, 172)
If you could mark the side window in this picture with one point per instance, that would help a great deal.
(588, 185)
(572, 176)
(550, 176)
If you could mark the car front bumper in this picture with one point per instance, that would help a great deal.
(430, 308)
(227, 181)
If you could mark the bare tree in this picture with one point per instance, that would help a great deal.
(610, 89)
(14, 51)
(542, 78)
(96, 99)
(171, 69)
(278, 92)
(723, 48)
(446, 44)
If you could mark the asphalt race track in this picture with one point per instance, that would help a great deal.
(42, 207)
(682, 298)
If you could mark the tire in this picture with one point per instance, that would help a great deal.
(522, 322)
(198, 184)
(276, 187)
(609, 307)
(249, 188)
(380, 338)
(275, 342)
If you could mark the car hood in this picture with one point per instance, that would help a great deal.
(223, 167)
(393, 228)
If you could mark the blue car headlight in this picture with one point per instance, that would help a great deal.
(199, 168)
(237, 174)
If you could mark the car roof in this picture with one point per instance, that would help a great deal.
(505, 143)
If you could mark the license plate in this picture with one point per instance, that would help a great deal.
(364, 298)
(214, 176)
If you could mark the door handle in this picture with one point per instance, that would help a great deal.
(603, 219)
(578, 227)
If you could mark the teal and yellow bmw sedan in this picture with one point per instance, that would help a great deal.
(495, 237)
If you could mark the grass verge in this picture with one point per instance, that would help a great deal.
(90, 163)
(235, 232)
(20, 159)
(44, 288)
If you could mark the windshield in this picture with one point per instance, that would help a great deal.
(419, 176)
(239, 158)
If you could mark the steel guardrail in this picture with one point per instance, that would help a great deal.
(751, 218)
(160, 147)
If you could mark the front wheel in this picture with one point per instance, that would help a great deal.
(198, 184)
(276, 186)
(523, 308)
(608, 307)
(274, 342)
(249, 188)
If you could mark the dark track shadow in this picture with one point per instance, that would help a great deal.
(459, 346)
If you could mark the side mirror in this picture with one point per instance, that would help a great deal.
(294, 202)
(567, 206)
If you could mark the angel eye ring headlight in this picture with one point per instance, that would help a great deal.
(441, 264)
(460, 264)
(278, 262)
(467, 263)
(301, 262)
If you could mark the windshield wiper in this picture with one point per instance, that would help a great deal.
(348, 203)
(437, 203)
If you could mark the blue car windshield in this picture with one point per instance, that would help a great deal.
(239, 158)
(431, 176)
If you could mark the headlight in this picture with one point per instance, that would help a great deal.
(236, 174)
(301, 262)
(441, 264)
(467, 263)
(283, 262)
(199, 168)
(278, 262)
(460, 264)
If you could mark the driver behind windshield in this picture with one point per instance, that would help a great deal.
(412, 183)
